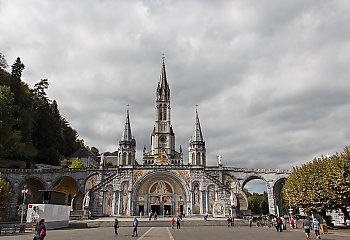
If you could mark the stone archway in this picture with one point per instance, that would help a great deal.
(243, 204)
(277, 195)
(69, 186)
(34, 195)
(161, 192)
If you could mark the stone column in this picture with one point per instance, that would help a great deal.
(129, 210)
(203, 202)
(114, 202)
(270, 198)
(207, 201)
(191, 204)
(103, 202)
(200, 203)
(119, 203)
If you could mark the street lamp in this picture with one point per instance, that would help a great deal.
(24, 192)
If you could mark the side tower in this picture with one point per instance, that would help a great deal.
(163, 137)
(196, 146)
(127, 145)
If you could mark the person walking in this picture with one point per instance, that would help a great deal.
(306, 227)
(150, 216)
(116, 226)
(40, 232)
(316, 227)
(250, 222)
(292, 223)
(155, 215)
(232, 221)
(172, 223)
(228, 221)
(279, 224)
(178, 223)
(135, 224)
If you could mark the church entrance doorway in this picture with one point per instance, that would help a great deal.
(141, 210)
(181, 209)
(167, 209)
(160, 193)
(155, 209)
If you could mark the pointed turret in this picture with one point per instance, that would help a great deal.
(127, 129)
(196, 148)
(197, 134)
(127, 144)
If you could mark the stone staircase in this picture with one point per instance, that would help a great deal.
(96, 198)
(107, 180)
(214, 176)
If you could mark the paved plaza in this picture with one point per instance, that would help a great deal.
(191, 233)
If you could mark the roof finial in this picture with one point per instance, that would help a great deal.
(127, 106)
(163, 57)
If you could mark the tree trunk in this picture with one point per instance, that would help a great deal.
(345, 212)
(327, 219)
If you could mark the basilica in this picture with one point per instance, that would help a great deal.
(162, 183)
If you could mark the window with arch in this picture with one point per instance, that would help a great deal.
(129, 158)
(164, 112)
(198, 160)
(124, 158)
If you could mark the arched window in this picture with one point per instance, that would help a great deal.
(193, 159)
(198, 160)
(160, 113)
(124, 159)
(164, 112)
(129, 158)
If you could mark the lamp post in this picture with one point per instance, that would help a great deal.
(24, 192)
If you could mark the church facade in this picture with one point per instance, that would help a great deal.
(163, 183)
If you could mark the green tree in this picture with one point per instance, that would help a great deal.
(10, 139)
(95, 151)
(77, 163)
(65, 162)
(3, 62)
(305, 187)
(5, 193)
(338, 181)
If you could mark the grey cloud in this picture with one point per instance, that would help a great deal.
(270, 78)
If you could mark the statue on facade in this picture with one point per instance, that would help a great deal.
(102, 161)
(196, 195)
(87, 200)
(125, 198)
(219, 160)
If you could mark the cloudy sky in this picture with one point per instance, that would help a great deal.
(271, 78)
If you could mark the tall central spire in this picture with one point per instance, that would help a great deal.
(163, 90)
(163, 136)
